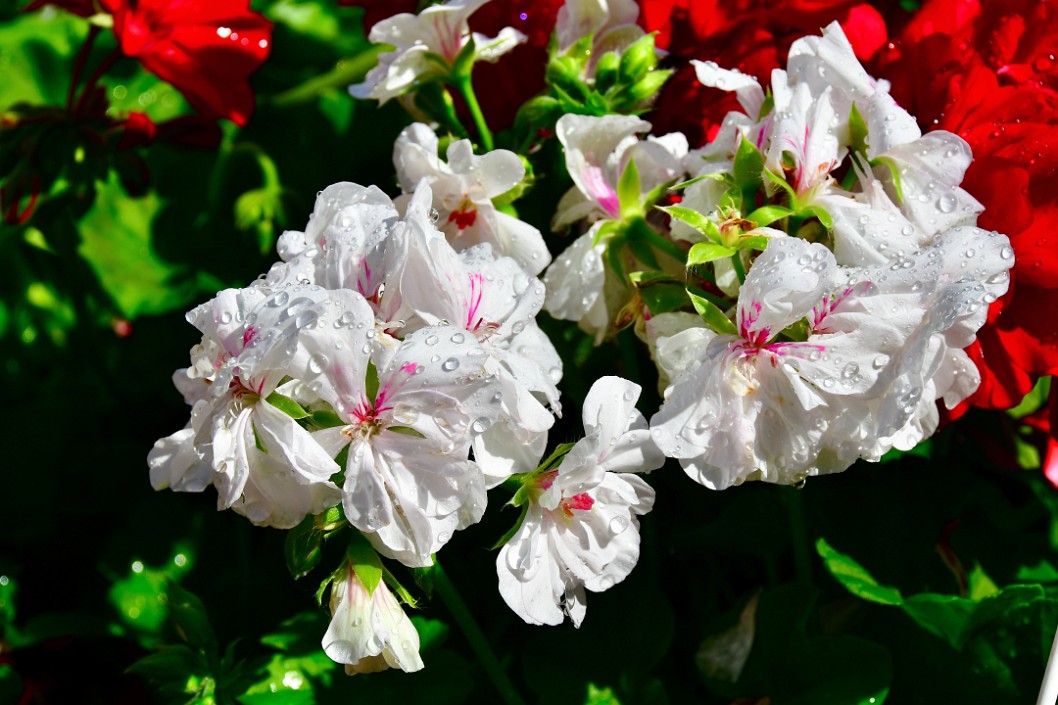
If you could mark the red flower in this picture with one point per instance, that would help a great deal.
(206, 48)
(753, 37)
(985, 70)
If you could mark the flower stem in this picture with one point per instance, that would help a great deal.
(78, 67)
(100, 71)
(474, 635)
(348, 71)
(467, 91)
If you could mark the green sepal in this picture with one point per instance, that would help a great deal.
(695, 219)
(613, 256)
(434, 99)
(748, 167)
(791, 195)
(894, 170)
(642, 251)
(437, 60)
(711, 313)
(638, 59)
(752, 242)
(325, 583)
(303, 547)
(325, 418)
(659, 291)
(716, 176)
(330, 519)
(563, 74)
(644, 89)
(655, 194)
(821, 214)
(365, 561)
(628, 193)
(605, 230)
(287, 405)
(509, 534)
(767, 106)
(766, 215)
(857, 131)
(541, 110)
(704, 252)
(395, 585)
(464, 61)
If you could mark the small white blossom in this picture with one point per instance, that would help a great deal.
(581, 529)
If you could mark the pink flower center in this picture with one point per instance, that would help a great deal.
(582, 502)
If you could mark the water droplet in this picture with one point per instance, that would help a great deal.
(618, 524)
(431, 340)
(481, 425)
(947, 203)
(630, 395)
(225, 317)
(450, 364)
(458, 338)
(1007, 253)
(281, 299)
(317, 363)
(434, 215)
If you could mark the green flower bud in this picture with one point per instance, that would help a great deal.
(637, 60)
(563, 73)
(606, 71)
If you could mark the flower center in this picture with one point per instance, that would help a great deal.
(465, 215)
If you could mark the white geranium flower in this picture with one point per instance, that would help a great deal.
(598, 150)
(408, 481)
(882, 345)
(581, 529)
(264, 465)
(440, 30)
(369, 632)
(612, 24)
(463, 189)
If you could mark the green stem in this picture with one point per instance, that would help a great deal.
(799, 535)
(474, 635)
(347, 71)
(467, 91)
(659, 242)
(82, 59)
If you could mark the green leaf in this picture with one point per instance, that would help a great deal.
(325, 418)
(287, 405)
(170, 667)
(717, 176)
(766, 215)
(365, 561)
(1034, 400)
(855, 577)
(704, 252)
(432, 632)
(303, 547)
(190, 619)
(712, 315)
(695, 219)
(116, 242)
(628, 192)
(747, 169)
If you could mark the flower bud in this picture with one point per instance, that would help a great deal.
(606, 71)
(564, 74)
(637, 60)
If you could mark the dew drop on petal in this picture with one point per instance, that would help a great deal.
(431, 340)
(450, 364)
(618, 524)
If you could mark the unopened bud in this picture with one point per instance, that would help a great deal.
(606, 71)
(637, 60)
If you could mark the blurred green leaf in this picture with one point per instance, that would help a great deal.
(302, 547)
(116, 242)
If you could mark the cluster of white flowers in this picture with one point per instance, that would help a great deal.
(391, 362)
(841, 335)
